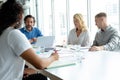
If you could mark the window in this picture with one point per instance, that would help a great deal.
(55, 17)
(111, 7)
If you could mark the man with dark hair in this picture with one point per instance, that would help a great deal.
(29, 30)
(102, 14)
(107, 37)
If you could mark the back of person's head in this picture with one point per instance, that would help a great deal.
(29, 16)
(79, 17)
(10, 13)
(101, 14)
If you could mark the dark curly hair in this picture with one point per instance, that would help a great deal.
(29, 16)
(10, 12)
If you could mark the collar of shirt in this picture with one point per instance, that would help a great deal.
(27, 30)
(104, 30)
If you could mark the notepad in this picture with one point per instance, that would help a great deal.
(57, 64)
(63, 61)
(66, 58)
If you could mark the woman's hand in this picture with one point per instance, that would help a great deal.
(55, 55)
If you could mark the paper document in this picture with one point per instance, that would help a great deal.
(64, 60)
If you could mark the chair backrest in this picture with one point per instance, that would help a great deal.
(37, 76)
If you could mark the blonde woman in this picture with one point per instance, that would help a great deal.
(79, 35)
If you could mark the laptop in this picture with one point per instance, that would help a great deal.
(46, 42)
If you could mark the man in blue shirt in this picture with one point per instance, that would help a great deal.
(29, 30)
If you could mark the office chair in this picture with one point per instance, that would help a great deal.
(36, 76)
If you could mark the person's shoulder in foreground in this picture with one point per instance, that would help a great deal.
(15, 46)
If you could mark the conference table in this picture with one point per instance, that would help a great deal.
(90, 65)
(80, 64)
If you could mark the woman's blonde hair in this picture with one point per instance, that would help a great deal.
(79, 17)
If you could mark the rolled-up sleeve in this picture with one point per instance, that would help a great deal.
(113, 42)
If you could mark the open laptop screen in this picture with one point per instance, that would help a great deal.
(45, 41)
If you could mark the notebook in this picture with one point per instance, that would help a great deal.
(45, 41)
(64, 60)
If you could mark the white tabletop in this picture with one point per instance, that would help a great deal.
(99, 65)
